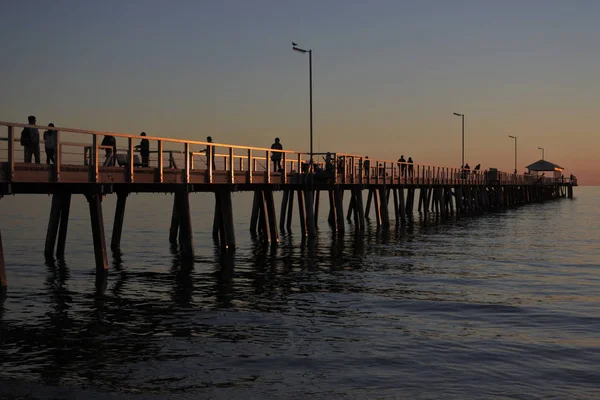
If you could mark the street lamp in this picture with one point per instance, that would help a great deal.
(542, 149)
(514, 137)
(463, 137)
(296, 48)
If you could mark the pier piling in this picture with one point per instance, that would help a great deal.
(115, 243)
(64, 224)
(3, 282)
(95, 205)
(186, 240)
(53, 223)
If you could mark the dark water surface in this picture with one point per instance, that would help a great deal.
(502, 305)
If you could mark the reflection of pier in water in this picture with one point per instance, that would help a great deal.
(223, 169)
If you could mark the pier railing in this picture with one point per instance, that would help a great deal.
(82, 158)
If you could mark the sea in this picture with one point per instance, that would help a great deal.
(494, 305)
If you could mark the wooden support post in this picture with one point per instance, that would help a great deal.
(115, 243)
(263, 218)
(174, 229)
(360, 208)
(396, 205)
(401, 205)
(218, 220)
(282, 210)
(339, 207)
(309, 210)
(290, 210)
(376, 206)
(53, 222)
(332, 219)
(302, 213)
(350, 207)
(226, 217)
(95, 204)
(272, 216)
(317, 202)
(186, 240)
(255, 211)
(64, 224)
(3, 281)
(383, 204)
(368, 208)
(421, 195)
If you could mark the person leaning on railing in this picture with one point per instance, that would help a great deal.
(144, 148)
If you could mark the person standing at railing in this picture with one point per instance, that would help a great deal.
(111, 152)
(410, 167)
(402, 163)
(276, 155)
(30, 140)
(50, 144)
(367, 167)
(144, 147)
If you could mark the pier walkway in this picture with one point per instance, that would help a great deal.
(84, 166)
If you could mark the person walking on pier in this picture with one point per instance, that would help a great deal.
(402, 163)
(110, 151)
(367, 167)
(144, 147)
(276, 155)
(410, 167)
(50, 144)
(30, 140)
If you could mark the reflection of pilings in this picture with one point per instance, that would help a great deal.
(317, 198)
(302, 214)
(383, 206)
(64, 224)
(332, 218)
(95, 204)
(309, 212)
(339, 208)
(290, 210)
(3, 282)
(115, 243)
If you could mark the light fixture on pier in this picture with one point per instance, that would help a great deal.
(301, 50)
(463, 137)
(514, 137)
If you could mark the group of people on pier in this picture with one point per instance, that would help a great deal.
(30, 140)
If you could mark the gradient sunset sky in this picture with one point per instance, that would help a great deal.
(388, 75)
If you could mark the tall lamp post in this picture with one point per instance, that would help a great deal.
(514, 137)
(296, 48)
(542, 149)
(463, 138)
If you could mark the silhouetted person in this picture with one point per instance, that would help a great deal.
(50, 144)
(467, 169)
(367, 167)
(402, 163)
(410, 167)
(276, 155)
(210, 153)
(111, 152)
(30, 140)
(144, 147)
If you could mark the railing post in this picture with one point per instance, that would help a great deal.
(384, 169)
(250, 165)
(186, 176)
(94, 160)
(360, 170)
(11, 153)
(209, 161)
(299, 165)
(231, 166)
(268, 167)
(131, 157)
(57, 157)
(284, 171)
(160, 161)
(352, 172)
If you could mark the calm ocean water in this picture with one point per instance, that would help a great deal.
(501, 305)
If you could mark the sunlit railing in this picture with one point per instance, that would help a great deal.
(190, 162)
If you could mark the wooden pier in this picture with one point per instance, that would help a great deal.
(182, 167)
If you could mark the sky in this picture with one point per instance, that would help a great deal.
(387, 75)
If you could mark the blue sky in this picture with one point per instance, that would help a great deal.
(387, 74)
